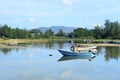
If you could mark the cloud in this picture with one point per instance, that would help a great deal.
(67, 2)
(32, 20)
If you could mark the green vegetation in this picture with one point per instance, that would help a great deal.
(8, 32)
(81, 33)
(60, 33)
(49, 34)
(110, 30)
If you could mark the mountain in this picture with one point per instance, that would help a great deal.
(55, 29)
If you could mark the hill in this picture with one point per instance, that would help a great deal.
(57, 28)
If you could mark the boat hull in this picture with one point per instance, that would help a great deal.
(73, 53)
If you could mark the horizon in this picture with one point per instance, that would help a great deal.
(74, 13)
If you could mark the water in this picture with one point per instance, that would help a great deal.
(34, 63)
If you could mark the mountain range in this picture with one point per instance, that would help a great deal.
(55, 29)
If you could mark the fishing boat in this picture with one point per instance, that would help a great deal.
(74, 53)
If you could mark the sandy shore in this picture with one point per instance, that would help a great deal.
(101, 44)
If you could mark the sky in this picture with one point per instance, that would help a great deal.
(45, 13)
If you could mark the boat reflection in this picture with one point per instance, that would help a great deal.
(66, 58)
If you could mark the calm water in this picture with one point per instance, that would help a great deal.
(34, 63)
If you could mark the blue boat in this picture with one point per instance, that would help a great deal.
(73, 53)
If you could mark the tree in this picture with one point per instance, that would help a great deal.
(46, 34)
(49, 34)
(107, 29)
(6, 31)
(112, 30)
(81, 33)
(60, 33)
(98, 32)
(115, 29)
(1, 31)
(36, 33)
(71, 35)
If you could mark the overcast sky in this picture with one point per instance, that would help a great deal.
(44, 13)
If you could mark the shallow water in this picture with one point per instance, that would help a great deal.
(34, 63)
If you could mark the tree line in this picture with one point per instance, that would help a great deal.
(110, 30)
(7, 32)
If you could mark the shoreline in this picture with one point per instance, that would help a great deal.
(102, 45)
(18, 41)
(3, 46)
(13, 43)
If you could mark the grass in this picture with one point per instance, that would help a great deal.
(3, 42)
(17, 41)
